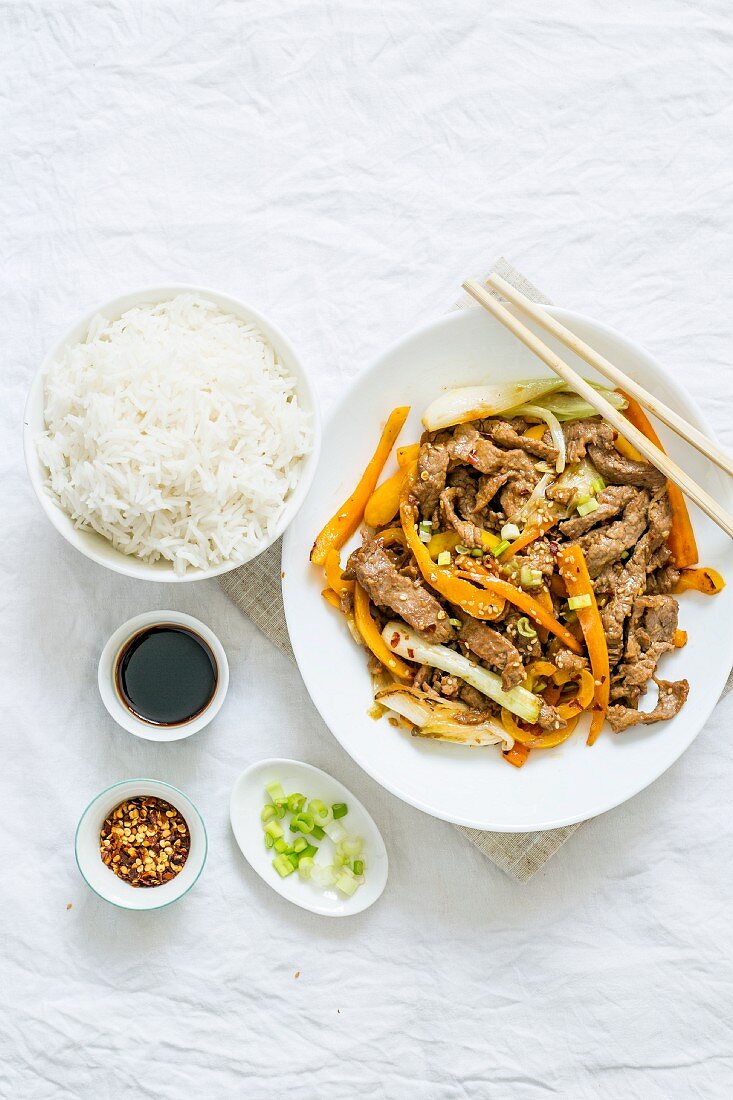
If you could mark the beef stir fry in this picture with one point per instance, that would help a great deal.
(519, 570)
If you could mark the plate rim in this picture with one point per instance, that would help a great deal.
(702, 713)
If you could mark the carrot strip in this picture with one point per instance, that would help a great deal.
(681, 541)
(705, 580)
(527, 536)
(574, 571)
(384, 503)
(517, 755)
(372, 636)
(342, 525)
(333, 574)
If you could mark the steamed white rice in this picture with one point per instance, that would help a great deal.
(175, 432)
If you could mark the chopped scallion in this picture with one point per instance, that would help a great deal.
(317, 832)
(275, 791)
(461, 549)
(296, 802)
(335, 831)
(283, 866)
(322, 813)
(579, 601)
(308, 853)
(281, 844)
(477, 552)
(500, 548)
(358, 866)
(340, 809)
(303, 822)
(274, 829)
(510, 531)
(525, 628)
(269, 842)
(455, 623)
(586, 508)
(444, 558)
(300, 844)
(268, 811)
(305, 866)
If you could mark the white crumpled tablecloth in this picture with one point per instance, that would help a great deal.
(343, 166)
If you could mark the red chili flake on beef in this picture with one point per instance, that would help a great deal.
(411, 654)
(394, 640)
(554, 546)
(472, 457)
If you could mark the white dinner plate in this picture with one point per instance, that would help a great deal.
(476, 787)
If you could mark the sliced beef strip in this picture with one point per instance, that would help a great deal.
(472, 697)
(495, 649)
(663, 580)
(672, 697)
(388, 588)
(606, 581)
(549, 718)
(619, 470)
(467, 532)
(565, 659)
(579, 433)
(611, 501)
(507, 435)
(488, 487)
(539, 555)
(632, 581)
(470, 448)
(650, 633)
(432, 469)
(606, 544)
(466, 484)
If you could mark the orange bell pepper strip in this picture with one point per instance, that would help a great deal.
(333, 574)
(573, 569)
(460, 592)
(384, 503)
(705, 580)
(536, 431)
(517, 755)
(392, 535)
(679, 639)
(530, 607)
(534, 737)
(373, 638)
(330, 597)
(681, 541)
(527, 536)
(407, 455)
(342, 525)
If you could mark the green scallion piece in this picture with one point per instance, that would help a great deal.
(303, 822)
(308, 853)
(455, 623)
(268, 811)
(283, 866)
(281, 845)
(275, 791)
(346, 883)
(525, 628)
(269, 842)
(461, 549)
(280, 809)
(305, 866)
(510, 531)
(579, 601)
(294, 859)
(322, 813)
(300, 844)
(444, 558)
(317, 833)
(340, 809)
(477, 552)
(587, 507)
(500, 548)
(358, 866)
(296, 802)
(274, 829)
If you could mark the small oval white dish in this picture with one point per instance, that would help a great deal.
(248, 798)
(105, 882)
(122, 715)
(94, 545)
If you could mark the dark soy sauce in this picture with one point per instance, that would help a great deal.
(166, 674)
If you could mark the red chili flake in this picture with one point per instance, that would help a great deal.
(554, 546)
(394, 640)
(411, 654)
(472, 458)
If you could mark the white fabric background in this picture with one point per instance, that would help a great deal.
(343, 166)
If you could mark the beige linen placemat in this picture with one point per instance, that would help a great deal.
(257, 591)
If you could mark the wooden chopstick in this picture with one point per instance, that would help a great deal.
(668, 416)
(577, 383)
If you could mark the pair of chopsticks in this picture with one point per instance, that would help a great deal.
(577, 383)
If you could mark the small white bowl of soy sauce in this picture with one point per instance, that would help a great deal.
(163, 675)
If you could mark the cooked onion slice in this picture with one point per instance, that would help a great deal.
(553, 424)
(409, 645)
(471, 402)
(443, 721)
